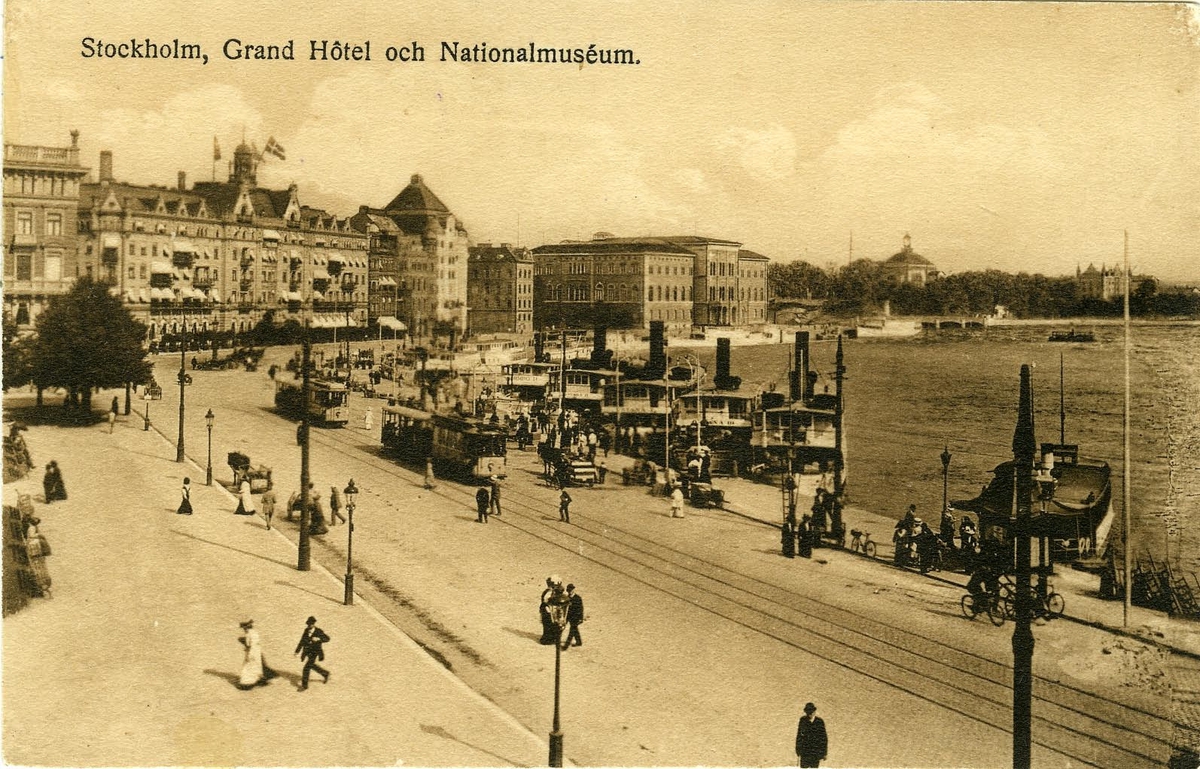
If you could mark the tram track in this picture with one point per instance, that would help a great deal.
(1084, 726)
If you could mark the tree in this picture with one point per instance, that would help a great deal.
(87, 340)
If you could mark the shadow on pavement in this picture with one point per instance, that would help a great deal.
(522, 633)
(228, 547)
(331, 599)
(232, 678)
(438, 731)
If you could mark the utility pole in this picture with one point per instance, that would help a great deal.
(839, 411)
(1024, 447)
(183, 378)
(305, 362)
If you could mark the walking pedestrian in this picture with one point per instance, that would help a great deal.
(564, 507)
(268, 505)
(185, 504)
(368, 419)
(429, 479)
(112, 421)
(116, 406)
(316, 513)
(482, 503)
(255, 671)
(245, 500)
(574, 617)
(52, 483)
(677, 503)
(804, 537)
(788, 536)
(550, 597)
(494, 481)
(312, 650)
(812, 743)
(335, 506)
(293, 504)
(601, 471)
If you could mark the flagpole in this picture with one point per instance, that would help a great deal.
(1128, 543)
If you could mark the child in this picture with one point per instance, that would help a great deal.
(564, 507)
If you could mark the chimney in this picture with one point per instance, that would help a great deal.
(656, 367)
(723, 381)
(106, 166)
(599, 343)
(183, 181)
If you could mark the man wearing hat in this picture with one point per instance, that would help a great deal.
(311, 651)
(811, 740)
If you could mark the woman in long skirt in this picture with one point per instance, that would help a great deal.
(185, 502)
(246, 501)
(252, 674)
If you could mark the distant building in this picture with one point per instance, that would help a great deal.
(500, 289)
(221, 255)
(613, 282)
(41, 196)
(907, 266)
(752, 288)
(1104, 284)
(431, 258)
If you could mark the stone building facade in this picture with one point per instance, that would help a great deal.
(220, 256)
(431, 258)
(907, 266)
(500, 289)
(1105, 284)
(41, 196)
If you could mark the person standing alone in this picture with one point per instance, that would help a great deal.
(494, 482)
(812, 743)
(564, 507)
(482, 503)
(311, 651)
(574, 617)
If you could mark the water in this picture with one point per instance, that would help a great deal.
(906, 399)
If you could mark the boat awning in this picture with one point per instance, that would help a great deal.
(112, 240)
(182, 246)
(161, 268)
(1083, 491)
(393, 323)
(320, 274)
(270, 235)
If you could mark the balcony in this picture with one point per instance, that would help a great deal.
(247, 261)
(246, 284)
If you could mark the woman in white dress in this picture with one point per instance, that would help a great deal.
(246, 500)
(252, 666)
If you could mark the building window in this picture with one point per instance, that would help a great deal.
(24, 266)
(54, 224)
(25, 223)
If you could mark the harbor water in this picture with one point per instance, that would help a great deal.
(907, 399)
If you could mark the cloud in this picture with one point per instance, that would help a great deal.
(767, 155)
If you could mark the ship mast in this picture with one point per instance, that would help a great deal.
(1128, 556)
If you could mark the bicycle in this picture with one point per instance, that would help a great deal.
(861, 543)
(1051, 606)
(993, 607)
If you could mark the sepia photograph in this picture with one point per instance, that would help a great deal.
(830, 367)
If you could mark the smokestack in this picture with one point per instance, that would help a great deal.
(183, 181)
(657, 366)
(539, 347)
(106, 166)
(798, 377)
(723, 381)
(1024, 443)
(599, 344)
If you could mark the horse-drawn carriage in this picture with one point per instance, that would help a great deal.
(244, 471)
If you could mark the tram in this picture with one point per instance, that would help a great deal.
(459, 445)
(327, 401)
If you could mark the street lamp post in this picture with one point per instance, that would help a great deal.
(209, 418)
(556, 735)
(945, 478)
(1024, 448)
(146, 421)
(184, 380)
(351, 494)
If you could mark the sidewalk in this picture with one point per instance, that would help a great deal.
(133, 660)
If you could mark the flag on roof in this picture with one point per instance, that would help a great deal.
(216, 149)
(274, 148)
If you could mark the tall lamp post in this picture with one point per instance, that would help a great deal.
(209, 418)
(945, 478)
(146, 420)
(556, 735)
(1024, 447)
(351, 494)
(185, 379)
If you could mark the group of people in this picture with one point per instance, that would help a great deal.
(801, 536)
(487, 499)
(916, 544)
(52, 483)
(561, 608)
(256, 672)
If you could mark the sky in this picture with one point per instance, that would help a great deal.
(1016, 136)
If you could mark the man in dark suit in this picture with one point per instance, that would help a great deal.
(311, 651)
(811, 741)
(574, 617)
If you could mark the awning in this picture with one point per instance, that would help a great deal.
(386, 281)
(214, 295)
(112, 241)
(318, 296)
(162, 295)
(270, 235)
(142, 296)
(182, 275)
(320, 274)
(130, 296)
(336, 257)
(393, 323)
(161, 268)
(182, 246)
(293, 296)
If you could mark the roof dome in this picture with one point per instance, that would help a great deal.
(906, 255)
